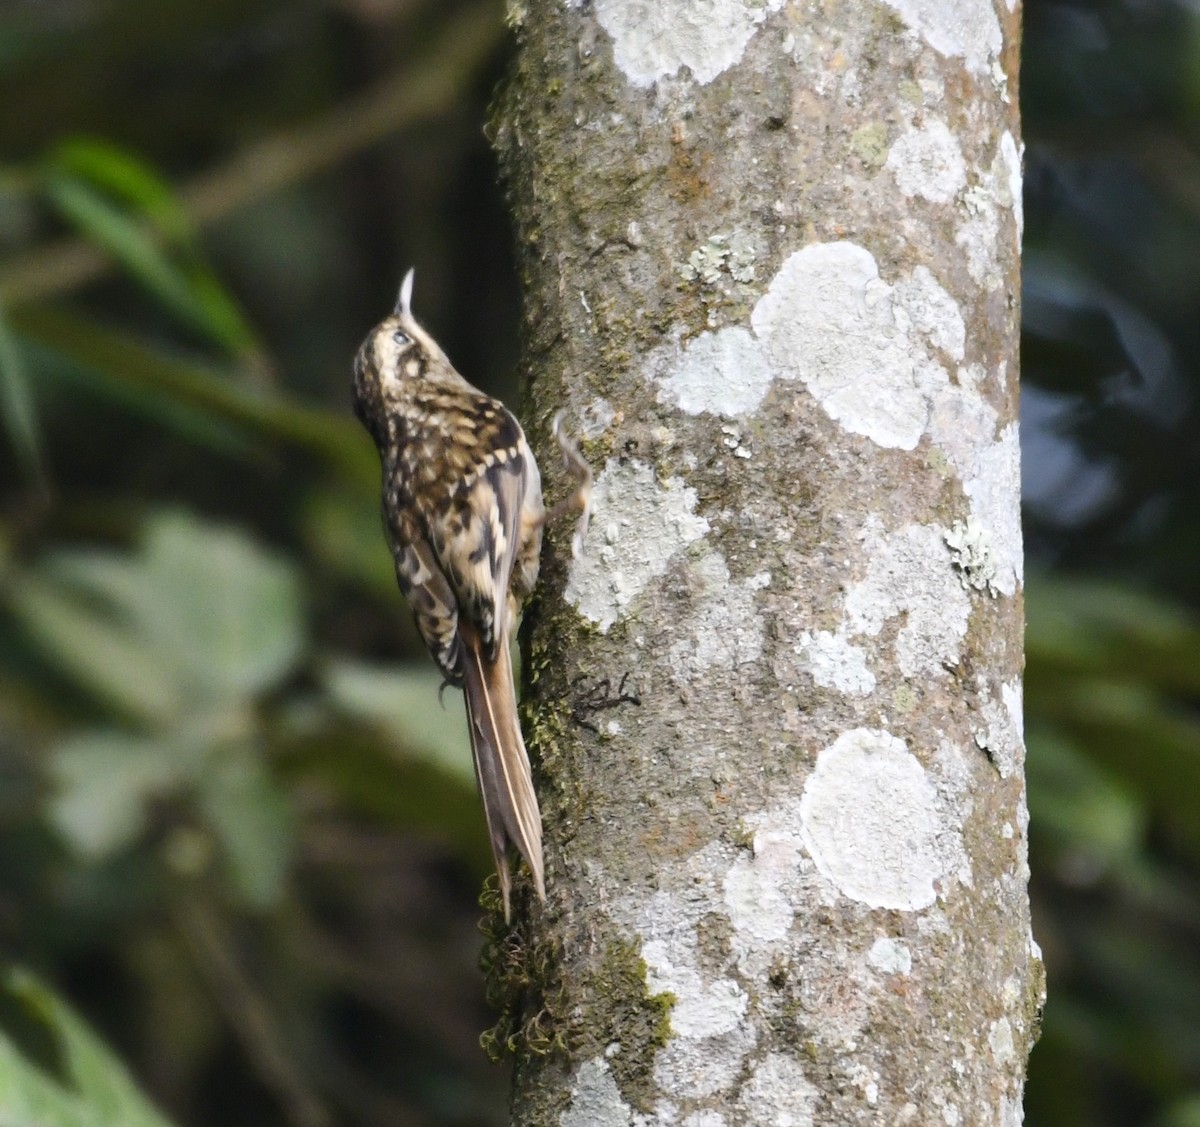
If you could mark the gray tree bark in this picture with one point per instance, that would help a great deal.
(771, 252)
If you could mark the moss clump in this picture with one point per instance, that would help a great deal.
(524, 984)
(632, 1018)
(609, 1010)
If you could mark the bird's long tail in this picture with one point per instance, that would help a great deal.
(501, 762)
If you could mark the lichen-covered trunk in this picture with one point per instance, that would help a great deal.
(770, 252)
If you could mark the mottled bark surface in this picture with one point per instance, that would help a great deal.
(771, 256)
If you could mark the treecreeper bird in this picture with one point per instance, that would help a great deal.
(463, 512)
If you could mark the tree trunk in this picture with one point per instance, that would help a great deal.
(771, 257)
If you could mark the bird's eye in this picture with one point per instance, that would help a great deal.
(401, 337)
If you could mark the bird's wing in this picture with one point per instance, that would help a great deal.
(423, 582)
(477, 537)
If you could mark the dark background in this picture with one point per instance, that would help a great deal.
(236, 831)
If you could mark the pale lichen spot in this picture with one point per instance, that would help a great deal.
(970, 547)
(956, 29)
(595, 1099)
(870, 143)
(656, 40)
(909, 575)
(1000, 1041)
(726, 627)
(834, 662)
(890, 956)
(978, 233)
(758, 887)
(873, 823)
(1002, 737)
(721, 257)
(994, 493)
(596, 418)
(923, 307)
(778, 1092)
(927, 162)
(1013, 181)
(722, 373)
(650, 522)
(860, 346)
(705, 1118)
(711, 1032)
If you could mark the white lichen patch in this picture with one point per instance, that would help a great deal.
(705, 1119)
(595, 1099)
(1000, 1041)
(733, 441)
(909, 575)
(623, 553)
(867, 1082)
(962, 423)
(1002, 735)
(1012, 1109)
(890, 956)
(979, 234)
(721, 373)
(834, 662)
(596, 418)
(654, 39)
(760, 889)
(873, 823)
(1013, 181)
(1013, 695)
(922, 305)
(720, 255)
(710, 1031)
(970, 547)
(728, 630)
(702, 1008)
(860, 346)
(778, 1092)
(927, 162)
(693, 1069)
(957, 29)
(994, 493)
(952, 768)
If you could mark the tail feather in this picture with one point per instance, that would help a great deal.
(502, 764)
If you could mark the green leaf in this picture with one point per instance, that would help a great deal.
(1084, 626)
(125, 362)
(17, 404)
(199, 617)
(228, 613)
(374, 779)
(219, 616)
(132, 243)
(122, 203)
(403, 701)
(1080, 802)
(251, 818)
(1182, 1113)
(127, 177)
(54, 1071)
(342, 529)
(176, 416)
(103, 781)
(102, 652)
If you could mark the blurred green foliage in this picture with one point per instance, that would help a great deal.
(236, 826)
(54, 1071)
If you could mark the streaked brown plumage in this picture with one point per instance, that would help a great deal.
(462, 504)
